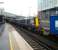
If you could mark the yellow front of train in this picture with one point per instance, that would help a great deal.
(37, 24)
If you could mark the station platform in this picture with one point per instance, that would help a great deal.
(10, 39)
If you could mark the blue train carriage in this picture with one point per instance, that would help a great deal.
(54, 25)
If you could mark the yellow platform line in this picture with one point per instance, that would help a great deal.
(11, 46)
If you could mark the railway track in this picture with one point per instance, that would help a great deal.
(35, 45)
(37, 42)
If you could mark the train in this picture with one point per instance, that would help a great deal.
(34, 24)
(2, 19)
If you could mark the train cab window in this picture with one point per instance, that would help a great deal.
(56, 24)
(2, 19)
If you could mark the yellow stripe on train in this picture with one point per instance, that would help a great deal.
(37, 22)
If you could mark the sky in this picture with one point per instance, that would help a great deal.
(21, 7)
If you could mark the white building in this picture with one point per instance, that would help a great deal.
(47, 8)
(47, 4)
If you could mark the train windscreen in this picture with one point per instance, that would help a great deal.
(56, 24)
(1, 19)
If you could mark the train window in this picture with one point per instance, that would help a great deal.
(56, 24)
(32, 21)
(1, 19)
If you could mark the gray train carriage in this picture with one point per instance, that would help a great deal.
(45, 18)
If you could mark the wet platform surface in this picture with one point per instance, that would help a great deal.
(11, 40)
(4, 38)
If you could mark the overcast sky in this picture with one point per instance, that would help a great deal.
(21, 7)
